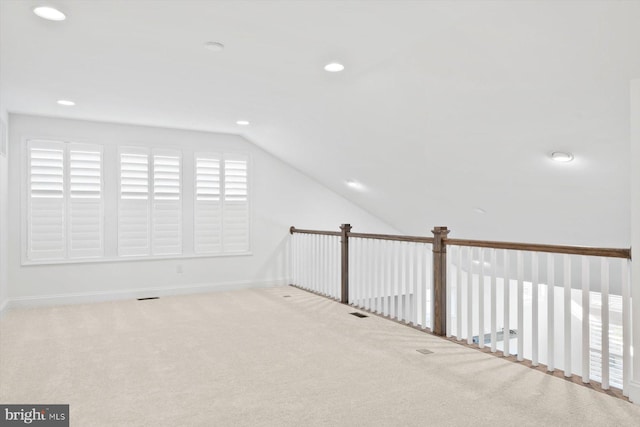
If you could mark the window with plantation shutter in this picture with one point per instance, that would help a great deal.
(167, 203)
(46, 218)
(235, 208)
(207, 204)
(134, 205)
(65, 201)
(85, 205)
(221, 203)
(91, 202)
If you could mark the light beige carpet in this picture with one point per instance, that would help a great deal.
(256, 358)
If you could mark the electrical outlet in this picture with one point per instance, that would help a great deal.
(179, 268)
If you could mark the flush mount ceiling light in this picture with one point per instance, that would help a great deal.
(49, 13)
(66, 102)
(214, 46)
(243, 122)
(334, 67)
(561, 156)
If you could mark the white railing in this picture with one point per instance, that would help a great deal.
(565, 307)
(392, 278)
(315, 263)
(501, 298)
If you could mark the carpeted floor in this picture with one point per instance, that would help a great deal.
(258, 358)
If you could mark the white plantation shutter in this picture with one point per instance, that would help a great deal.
(207, 204)
(85, 201)
(235, 208)
(46, 222)
(167, 202)
(134, 202)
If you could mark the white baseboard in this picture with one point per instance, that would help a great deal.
(103, 296)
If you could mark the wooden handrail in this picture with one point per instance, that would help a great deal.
(415, 239)
(533, 247)
(324, 233)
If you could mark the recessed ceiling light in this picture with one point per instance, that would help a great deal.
(49, 13)
(354, 184)
(214, 46)
(479, 211)
(561, 156)
(66, 102)
(243, 122)
(334, 67)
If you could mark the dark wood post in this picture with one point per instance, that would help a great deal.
(344, 274)
(440, 280)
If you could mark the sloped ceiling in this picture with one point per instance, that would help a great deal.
(443, 106)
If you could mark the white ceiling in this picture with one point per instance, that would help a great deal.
(443, 106)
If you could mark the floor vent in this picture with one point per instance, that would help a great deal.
(286, 296)
(424, 351)
(360, 315)
(144, 299)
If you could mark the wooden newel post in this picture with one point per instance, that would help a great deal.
(344, 271)
(440, 280)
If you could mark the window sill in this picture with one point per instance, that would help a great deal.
(130, 259)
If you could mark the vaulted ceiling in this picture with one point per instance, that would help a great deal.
(443, 106)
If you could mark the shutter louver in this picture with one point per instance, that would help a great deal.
(85, 202)
(133, 209)
(235, 180)
(235, 214)
(167, 203)
(46, 201)
(208, 205)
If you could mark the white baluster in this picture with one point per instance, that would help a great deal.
(383, 278)
(506, 334)
(626, 327)
(470, 295)
(494, 301)
(413, 283)
(380, 270)
(534, 308)
(428, 278)
(481, 271)
(449, 289)
(337, 262)
(520, 296)
(567, 316)
(459, 294)
(392, 278)
(605, 321)
(402, 311)
(398, 280)
(421, 290)
(550, 313)
(586, 304)
(354, 269)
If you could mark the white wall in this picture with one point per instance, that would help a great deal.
(4, 198)
(634, 389)
(281, 197)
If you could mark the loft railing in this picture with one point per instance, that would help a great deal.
(565, 307)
